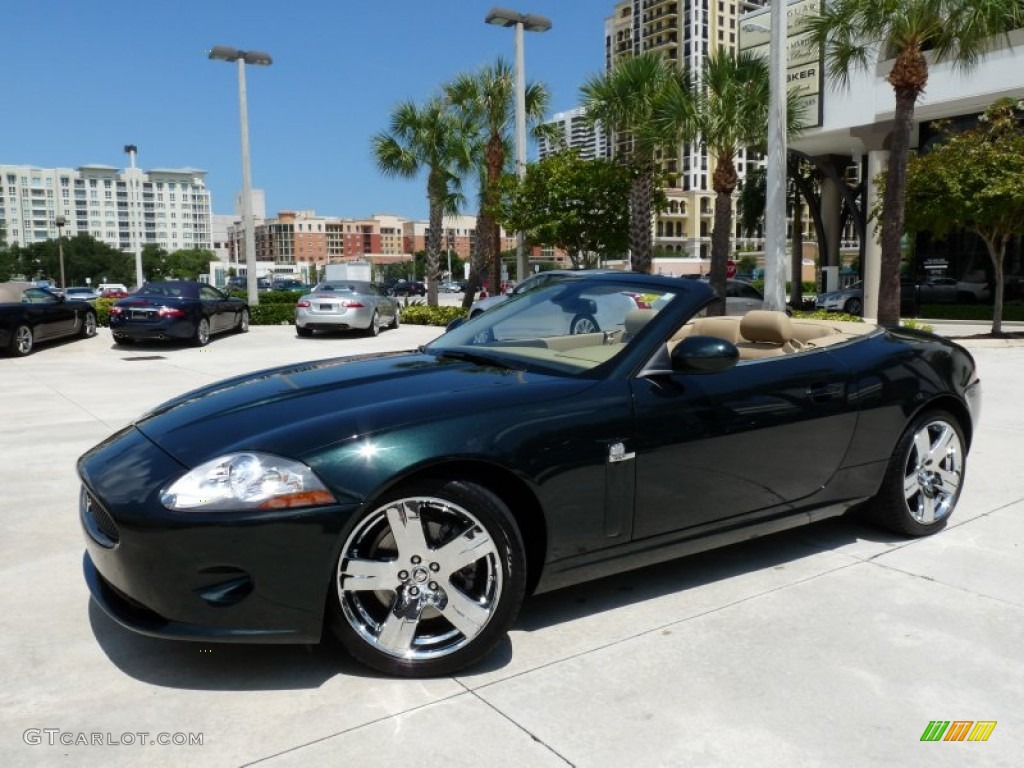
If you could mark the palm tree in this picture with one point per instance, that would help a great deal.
(726, 109)
(625, 100)
(486, 100)
(856, 34)
(434, 139)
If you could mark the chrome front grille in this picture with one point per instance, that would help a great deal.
(98, 522)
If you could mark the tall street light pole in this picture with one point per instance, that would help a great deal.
(775, 202)
(135, 215)
(226, 53)
(59, 222)
(503, 17)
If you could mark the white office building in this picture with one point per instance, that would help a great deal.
(169, 207)
(575, 132)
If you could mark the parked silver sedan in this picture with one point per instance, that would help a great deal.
(342, 305)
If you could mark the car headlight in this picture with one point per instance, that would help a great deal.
(246, 481)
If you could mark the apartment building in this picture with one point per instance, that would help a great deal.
(684, 32)
(574, 132)
(129, 208)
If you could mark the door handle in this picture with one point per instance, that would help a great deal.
(820, 393)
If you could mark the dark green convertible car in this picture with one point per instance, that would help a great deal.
(410, 501)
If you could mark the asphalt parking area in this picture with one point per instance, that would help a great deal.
(829, 645)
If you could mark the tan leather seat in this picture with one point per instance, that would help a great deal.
(635, 321)
(766, 334)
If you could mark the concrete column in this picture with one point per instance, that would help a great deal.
(831, 206)
(878, 161)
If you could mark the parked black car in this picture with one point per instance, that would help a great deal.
(29, 314)
(177, 309)
(410, 501)
(408, 288)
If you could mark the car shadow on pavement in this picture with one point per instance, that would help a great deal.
(777, 551)
(253, 667)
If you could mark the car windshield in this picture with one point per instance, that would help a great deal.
(569, 327)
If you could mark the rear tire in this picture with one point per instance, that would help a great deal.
(303, 332)
(854, 307)
(202, 335)
(924, 478)
(88, 329)
(374, 327)
(429, 579)
(22, 341)
(397, 319)
(243, 322)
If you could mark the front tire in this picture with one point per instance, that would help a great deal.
(202, 335)
(429, 580)
(924, 478)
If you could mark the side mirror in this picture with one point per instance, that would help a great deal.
(704, 354)
(454, 324)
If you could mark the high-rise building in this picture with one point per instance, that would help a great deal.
(168, 207)
(685, 32)
(575, 132)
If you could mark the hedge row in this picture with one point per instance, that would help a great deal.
(421, 314)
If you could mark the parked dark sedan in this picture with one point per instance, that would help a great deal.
(30, 314)
(177, 309)
(410, 501)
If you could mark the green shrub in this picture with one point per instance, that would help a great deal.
(420, 314)
(824, 314)
(272, 314)
(909, 322)
(102, 307)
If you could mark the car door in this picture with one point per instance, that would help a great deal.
(714, 447)
(217, 307)
(50, 316)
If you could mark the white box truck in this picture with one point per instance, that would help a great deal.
(350, 270)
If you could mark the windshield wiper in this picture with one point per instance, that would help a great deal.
(476, 357)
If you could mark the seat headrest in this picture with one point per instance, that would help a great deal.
(636, 319)
(763, 325)
(720, 327)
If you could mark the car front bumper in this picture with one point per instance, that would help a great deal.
(218, 576)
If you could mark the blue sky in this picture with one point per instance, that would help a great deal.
(84, 79)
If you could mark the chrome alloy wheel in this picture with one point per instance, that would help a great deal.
(419, 578)
(934, 471)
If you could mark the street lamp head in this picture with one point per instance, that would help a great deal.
(504, 17)
(59, 221)
(227, 53)
(224, 53)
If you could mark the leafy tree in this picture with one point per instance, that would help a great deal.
(486, 101)
(973, 181)
(626, 100)
(580, 206)
(855, 34)
(189, 264)
(435, 140)
(726, 108)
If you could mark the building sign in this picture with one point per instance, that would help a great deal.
(804, 69)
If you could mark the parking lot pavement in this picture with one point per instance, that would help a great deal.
(829, 645)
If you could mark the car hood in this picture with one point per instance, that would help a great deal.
(301, 410)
